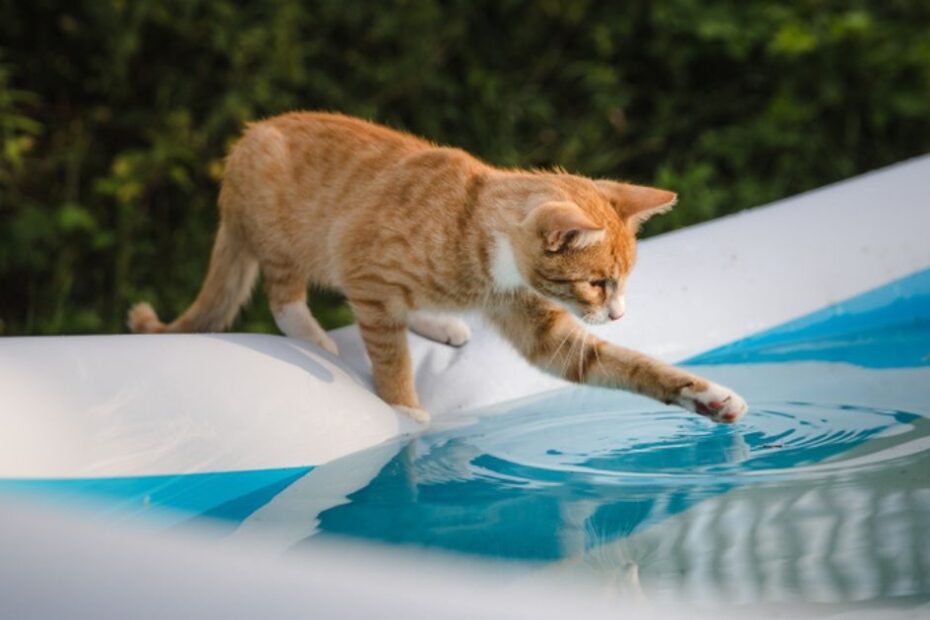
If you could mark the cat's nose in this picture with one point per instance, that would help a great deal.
(616, 308)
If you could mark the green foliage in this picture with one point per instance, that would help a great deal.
(115, 115)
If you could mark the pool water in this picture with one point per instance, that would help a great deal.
(821, 494)
(817, 499)
(578, 470)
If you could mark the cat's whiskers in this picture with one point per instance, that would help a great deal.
(581, 352)
(568, 335)
(569, 358)
(569, 354)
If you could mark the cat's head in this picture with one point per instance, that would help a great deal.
(578, 251)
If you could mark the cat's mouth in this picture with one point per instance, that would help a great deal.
(594, 318)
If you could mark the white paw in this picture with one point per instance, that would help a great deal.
(718, 403)
(456, 332)
(327, 343)
(443, 329)
(417, 415)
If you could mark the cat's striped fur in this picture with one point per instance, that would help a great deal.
(404, 227)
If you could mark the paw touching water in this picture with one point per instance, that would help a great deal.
(716, 402)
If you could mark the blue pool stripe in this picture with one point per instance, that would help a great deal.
(887, 327)
(230, 496)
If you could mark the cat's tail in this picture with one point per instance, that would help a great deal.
(228, 284)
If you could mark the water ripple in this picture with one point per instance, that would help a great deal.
(775, 440)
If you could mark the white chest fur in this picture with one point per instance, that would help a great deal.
(504, 264)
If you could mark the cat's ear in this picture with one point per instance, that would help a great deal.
(636, 203)
(563, 226)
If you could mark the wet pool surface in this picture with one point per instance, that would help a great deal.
(820, 494)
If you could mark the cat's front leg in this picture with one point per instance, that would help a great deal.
(554, 341)
(624, 368)
(385, 338)
(439, 328)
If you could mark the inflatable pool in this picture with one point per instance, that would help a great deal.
(816, 309)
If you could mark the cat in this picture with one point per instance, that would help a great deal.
(407, 229)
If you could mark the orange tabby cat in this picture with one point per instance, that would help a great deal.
(404, 227)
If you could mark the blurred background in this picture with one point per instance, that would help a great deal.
(115, 115)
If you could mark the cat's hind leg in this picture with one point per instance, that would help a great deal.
(287, 296)
(440, 328)
(294, 320)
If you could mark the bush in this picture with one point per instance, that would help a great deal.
(115, 116)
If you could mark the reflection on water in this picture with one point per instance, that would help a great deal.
(803, 501)
(841, 538)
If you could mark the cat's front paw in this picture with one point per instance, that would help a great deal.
(414, 413)
(715, 402)
(443, 329)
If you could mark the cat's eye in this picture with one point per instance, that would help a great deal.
(602, 283)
